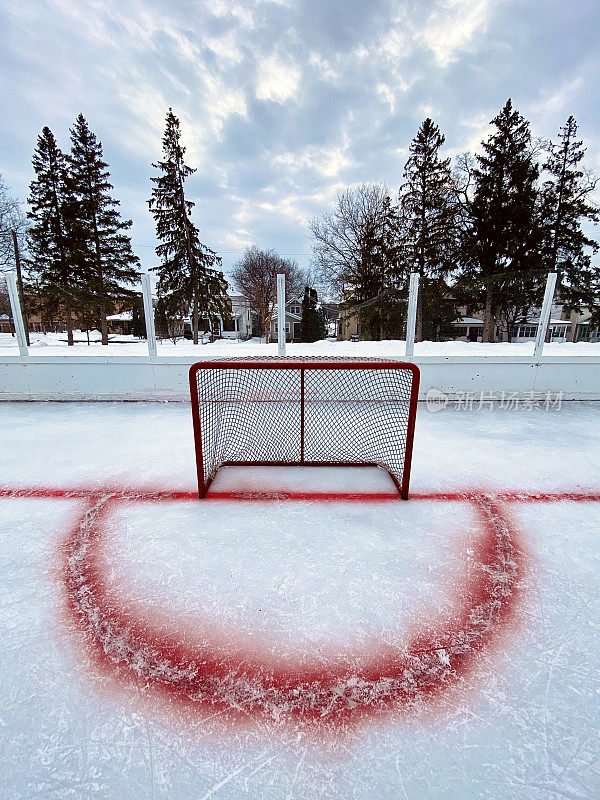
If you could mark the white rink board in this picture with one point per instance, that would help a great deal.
(166, 378)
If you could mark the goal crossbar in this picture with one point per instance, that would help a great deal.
(304, 412)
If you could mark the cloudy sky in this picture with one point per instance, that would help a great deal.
(284, 103)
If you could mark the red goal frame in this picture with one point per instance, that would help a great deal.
(302, 364)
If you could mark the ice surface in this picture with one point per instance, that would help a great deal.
(290, 573)
(365, 480)
(300, 576)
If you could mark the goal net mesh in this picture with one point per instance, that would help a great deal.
(302, 411)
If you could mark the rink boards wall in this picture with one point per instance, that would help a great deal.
(137, 378)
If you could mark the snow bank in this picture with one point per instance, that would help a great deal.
(55, 345)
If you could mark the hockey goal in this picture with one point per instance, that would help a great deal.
(304, 411)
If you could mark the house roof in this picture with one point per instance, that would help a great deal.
(288, 314)
(467, 321)
(124, 316)
(552, 322)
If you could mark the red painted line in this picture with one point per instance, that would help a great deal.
(352, 497)
(165, 496)
(549, 497)
(223, 675)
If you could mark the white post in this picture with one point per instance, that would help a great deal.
(281, 314)
(15, 307)
(148, 314)
(411, 317)
(545, 314)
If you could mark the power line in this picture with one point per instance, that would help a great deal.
(228, 252)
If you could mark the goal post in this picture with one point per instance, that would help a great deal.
(304, 412)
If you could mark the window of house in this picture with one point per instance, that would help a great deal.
(231, 324)
(527, 331)
(558, 331)
(287, 327)
(296, 310)
(460, 330)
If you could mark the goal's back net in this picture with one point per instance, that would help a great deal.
(304, 411)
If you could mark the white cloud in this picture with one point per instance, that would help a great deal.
(559, 101)
(277, 80)
(232, 10)
(452, 27)
(478, 128)
(226, 46)
(325, 161)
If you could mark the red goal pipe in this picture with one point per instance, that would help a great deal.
(303, 364)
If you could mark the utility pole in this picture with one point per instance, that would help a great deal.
(20, 286)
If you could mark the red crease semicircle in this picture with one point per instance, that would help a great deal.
(215, 678)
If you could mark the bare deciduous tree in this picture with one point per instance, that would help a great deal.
(256, 278)
(12, 218)
(351, 247)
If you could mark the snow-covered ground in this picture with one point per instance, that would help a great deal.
(306, 581)
(55, 344)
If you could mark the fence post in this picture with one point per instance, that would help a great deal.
(20, 286)
(281, 314)
(545, 314)
(15, 305)
(302, 415)
(411, 317)
(148, 314)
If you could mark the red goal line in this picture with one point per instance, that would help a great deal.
(168, 496)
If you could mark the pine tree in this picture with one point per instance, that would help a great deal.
(138, 319)
(312, 323)
(502, 241)
(188, 273)
(104, 251)
(428, 218)
(566, 204)
(52, 242)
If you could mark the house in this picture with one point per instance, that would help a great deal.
(239, 326)
(468, 329)
(348, 326)
(293, 318)
(563, 327)
(120, 323)
(6, 325)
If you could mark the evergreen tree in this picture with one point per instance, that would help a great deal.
(104, 251)
(52, 241)
(161, 319)
(502, 264)
(188, 273)
(566, 204)
(428, 216)
(138, 320)
(312, 323)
